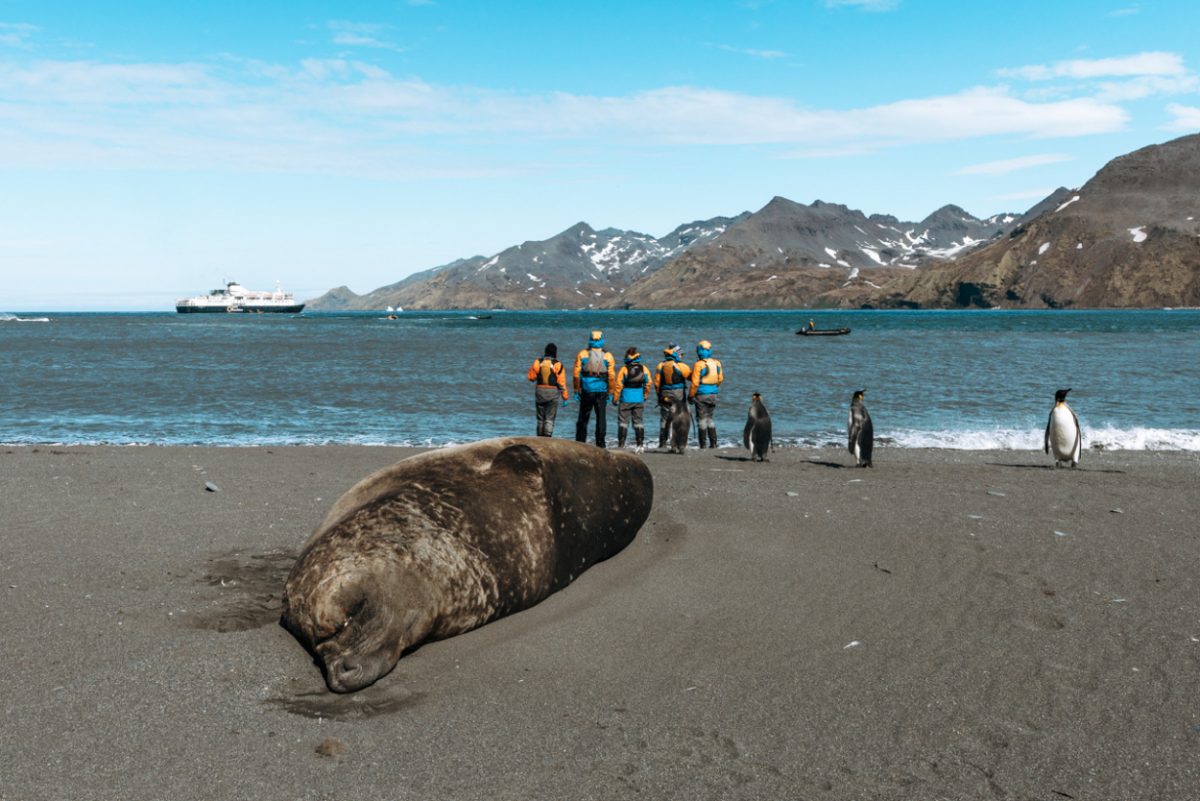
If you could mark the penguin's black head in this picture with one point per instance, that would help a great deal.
(756, 396)
(1061, 395)
(859, 393)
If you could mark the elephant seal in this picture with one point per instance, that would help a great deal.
(445, 541)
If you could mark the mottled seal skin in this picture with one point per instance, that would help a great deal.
(445, 541)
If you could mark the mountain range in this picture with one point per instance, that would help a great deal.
(1127, 238)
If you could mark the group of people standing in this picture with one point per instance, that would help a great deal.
(597, 382)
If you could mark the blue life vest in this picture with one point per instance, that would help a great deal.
(633, 388)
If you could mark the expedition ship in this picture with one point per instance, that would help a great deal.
(236, 298)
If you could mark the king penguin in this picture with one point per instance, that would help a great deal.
(862, 433)
(1062, 432)
(681, 425)
(757, 434)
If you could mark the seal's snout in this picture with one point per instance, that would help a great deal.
(344, 675)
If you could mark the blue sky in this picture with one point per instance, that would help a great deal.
(151, 150)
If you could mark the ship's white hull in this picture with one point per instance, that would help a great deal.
(235, 298)
(185, 307)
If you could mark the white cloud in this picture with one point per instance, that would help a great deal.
(865, 5)
(1006, 166)
(1186, 118)
(349, 117)
(1153, 63)
(1146, 86)
(745, 51)
(89, 83)
(360, 34)
(15, 34)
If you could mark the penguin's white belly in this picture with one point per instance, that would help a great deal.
(1063, 435)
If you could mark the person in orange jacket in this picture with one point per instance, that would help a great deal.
(551, 380)
(629, 396)
(594, 378)
(707, 375)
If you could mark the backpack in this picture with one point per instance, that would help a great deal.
(596, 366)
(635, 376)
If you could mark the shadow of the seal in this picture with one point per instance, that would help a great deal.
(378, 699)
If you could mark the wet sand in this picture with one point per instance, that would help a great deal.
(957, 625)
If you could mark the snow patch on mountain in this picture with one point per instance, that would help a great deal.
(1068, 203)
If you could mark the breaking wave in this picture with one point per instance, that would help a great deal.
(1107, 438)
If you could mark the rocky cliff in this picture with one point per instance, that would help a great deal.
(1129, 238)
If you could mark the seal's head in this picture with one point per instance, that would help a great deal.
(355, 612)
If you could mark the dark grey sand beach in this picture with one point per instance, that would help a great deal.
(949, 625)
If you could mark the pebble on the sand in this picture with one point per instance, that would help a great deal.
(330, 747)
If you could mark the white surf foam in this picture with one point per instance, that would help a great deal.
(1106, 438)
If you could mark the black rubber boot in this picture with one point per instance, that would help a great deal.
(712, 437)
